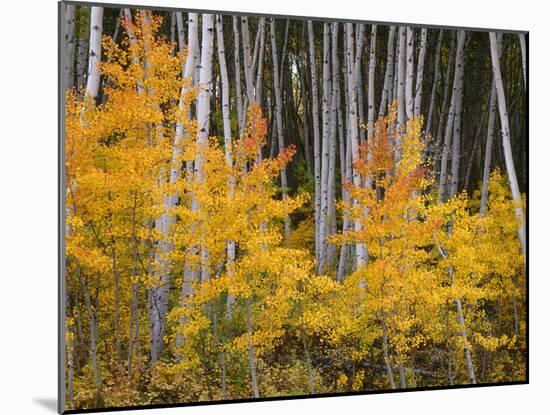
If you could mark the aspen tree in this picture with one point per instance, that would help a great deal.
(316, 138)
(420, 72)
(508, 157)
(353, 65)
(437, 71)
(401, 99)
(457, 89)
(409, 95)
(444, 110)
(237, 62)
(372, 69)
(457, 120)
(278, 114)
(228, 145)
(523, 48)
(489, 141)
(70, 43)
(96, 31)
(388, 78)
(325, 147)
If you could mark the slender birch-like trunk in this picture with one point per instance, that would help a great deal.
(401, 370)
(278, 116)
(331, 210)
(251, 358)
(181, 38)
(116, 314)
(247, 60)
(93, 327)
(450, 119)
(401, 117)
(360, 97)
(227, 146)
(420, 72)
(385, 351)
(444, 112)
(159, 267)
(409, 97)
(358, 70)
(70, 44)
(203, 117)
(489, 142)
(117, 25)
(506, 145)
(259, 76)
(316, 138)
(346, 157)
(326, 130)
(429, 120)
(395, 89)
(488, 150)
(456, 107)
(237, 62)
(70, 364)
(523, 47)
(360, 249)
(372, 69)
(173, 25)
(457, 120)
(96, 31)
(81, 63)
(345, 172)
(307, 148)
(388, 78)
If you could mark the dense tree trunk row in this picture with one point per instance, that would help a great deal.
(321, 87)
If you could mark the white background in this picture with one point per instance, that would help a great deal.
(28, 204)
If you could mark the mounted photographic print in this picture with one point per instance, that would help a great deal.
(258, 208)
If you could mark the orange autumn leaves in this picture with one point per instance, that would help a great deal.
(119, 154)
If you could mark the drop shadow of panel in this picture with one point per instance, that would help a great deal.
(48, 403)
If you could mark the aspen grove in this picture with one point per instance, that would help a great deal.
(260, 207)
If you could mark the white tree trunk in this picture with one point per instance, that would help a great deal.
(247, 60)
(331, 211)
(316, 138)
(358, 70)
(278, 116)
(420, 72)
(325, 145)
(451, 114)
(260, 60)
(81, 63)
(457, 120)
(96, 31)
(456, 103)
(237, 61)
(488, 150)
(69, 45)
(409, 97)
(203, 116)
(345, 171)
(227, 145)
(181, 38)
(388, 78)
(489, 142)
(372, 69)
(360, 250)
(523, 47)
(508, 157)
(401, 117)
